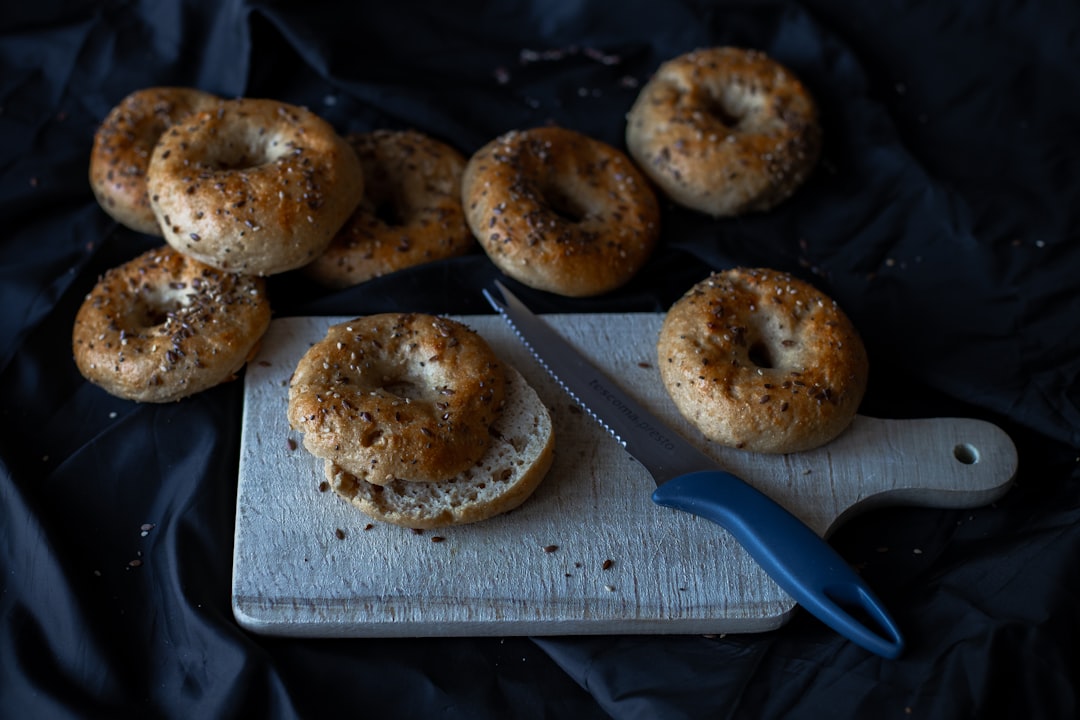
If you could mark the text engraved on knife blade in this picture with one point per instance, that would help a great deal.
(651, 431)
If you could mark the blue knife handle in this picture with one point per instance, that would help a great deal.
(800, 561)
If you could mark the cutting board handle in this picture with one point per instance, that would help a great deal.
(928, 462)
(936, 462)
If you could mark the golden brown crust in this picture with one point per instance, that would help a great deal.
(759, 360)
(410, 214)
(164, 326)
(521, 453)
(123, 144)
(725, 131)
(253, 186)
(398, 395)
(560, 211)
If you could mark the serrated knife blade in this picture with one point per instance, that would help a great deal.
(801, 562)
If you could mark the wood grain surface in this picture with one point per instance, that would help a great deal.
(589, 553)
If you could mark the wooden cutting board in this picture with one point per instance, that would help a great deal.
(589, 552)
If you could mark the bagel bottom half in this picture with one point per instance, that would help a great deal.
(519, 457)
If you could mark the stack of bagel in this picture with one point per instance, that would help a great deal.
(418, 421)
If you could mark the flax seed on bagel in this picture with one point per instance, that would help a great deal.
(759, 360)
(398, 396)
(725, 131)
(164, 326)
(124, 143)
(253, 186)
(410, 214)
(521, 453)
(560, 211)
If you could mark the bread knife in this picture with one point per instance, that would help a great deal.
(793, 555)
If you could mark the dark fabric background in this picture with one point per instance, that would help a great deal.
(943, 217)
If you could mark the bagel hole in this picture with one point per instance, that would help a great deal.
(235, 162)
(389, 212)
(152, 316)
(724, 113)
(735, 105)
(403, 389)
(154, 308)
(566, 207)
(761, 357)
(239, 150)
(242, 156)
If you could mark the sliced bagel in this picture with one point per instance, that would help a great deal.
(520, 455)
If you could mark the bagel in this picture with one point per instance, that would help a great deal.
(725, 131)
(253, 186)
(164, 326)
(410, 214)
(520, 455)
(759, 360)
(123, 144)
(560, 211)
(398, 395)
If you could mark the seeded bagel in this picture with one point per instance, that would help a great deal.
(398, 395)
(123, 144)
(725, 131)
(410, 214)
(253, 186)
(164, 326)
(520, 455)
(560, 211)
(759, 360)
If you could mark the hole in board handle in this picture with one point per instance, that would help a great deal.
(966, 453)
